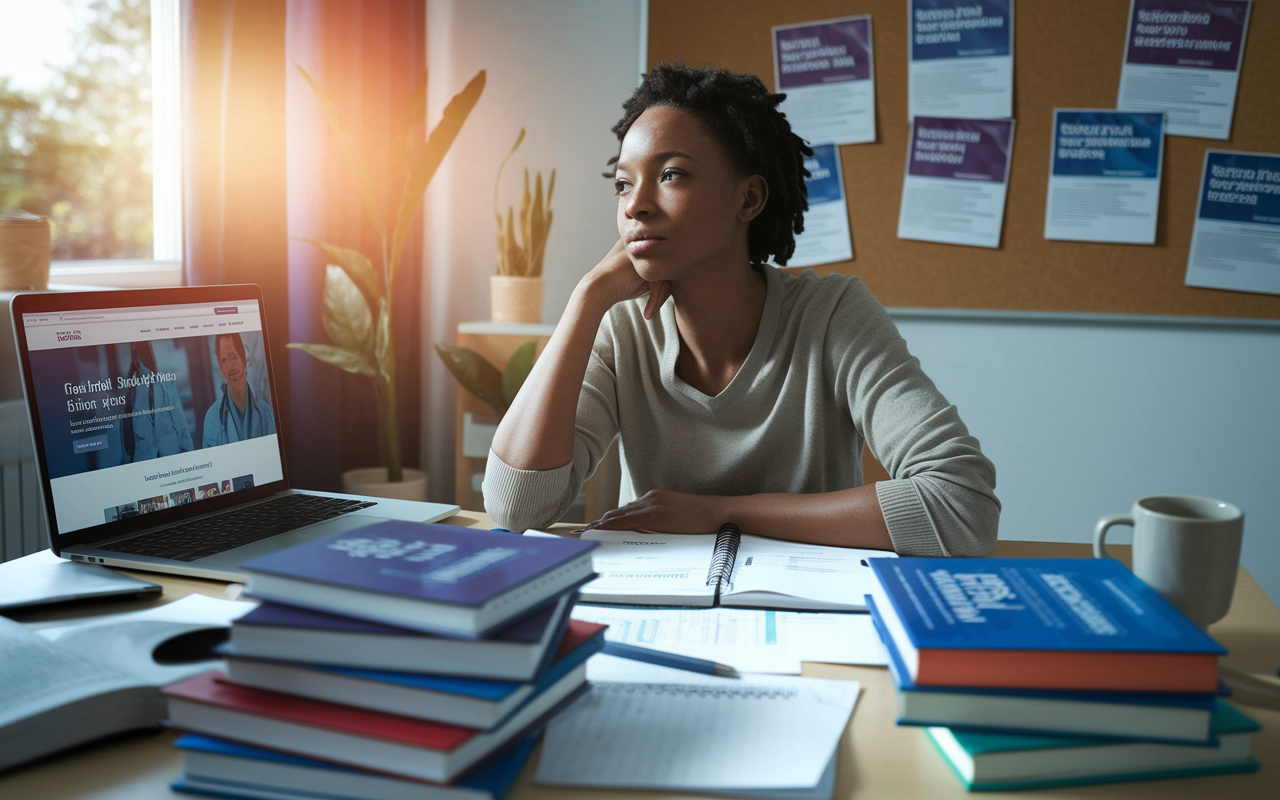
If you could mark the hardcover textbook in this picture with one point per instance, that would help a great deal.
(1122, 715)
(728, 569)
(987, 761)
(220, 767)
(1039, 623)
(435, 578)
(521, 651)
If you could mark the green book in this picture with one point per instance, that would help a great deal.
(994, 762)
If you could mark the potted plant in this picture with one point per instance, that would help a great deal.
(358, 290)
(515, 293)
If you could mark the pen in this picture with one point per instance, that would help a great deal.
(673, 660)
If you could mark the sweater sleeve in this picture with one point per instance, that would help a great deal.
(520, 499)
(941, 500)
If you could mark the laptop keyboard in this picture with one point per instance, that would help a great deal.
(208, 536)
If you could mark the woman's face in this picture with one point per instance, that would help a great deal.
(681, 201)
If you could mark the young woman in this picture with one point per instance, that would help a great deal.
(741, 394)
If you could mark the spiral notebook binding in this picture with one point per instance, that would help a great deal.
(726, 552)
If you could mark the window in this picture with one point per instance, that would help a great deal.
(89, 134)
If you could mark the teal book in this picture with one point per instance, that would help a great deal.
(995, 762)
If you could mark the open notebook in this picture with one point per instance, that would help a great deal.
(728, 569)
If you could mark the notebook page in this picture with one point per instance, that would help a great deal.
(650, 567)
(698, 733)
(809, 571)
(749, 640)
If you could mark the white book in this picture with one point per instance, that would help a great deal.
(727, 569)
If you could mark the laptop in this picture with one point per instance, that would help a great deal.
(157, 433)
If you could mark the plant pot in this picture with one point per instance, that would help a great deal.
(373, 481)
(515, 299)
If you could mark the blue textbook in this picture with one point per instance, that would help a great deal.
(521, 651)
(995, 762)
(436, 578)
(1039, 623)
(1180, 718)
(221, 768)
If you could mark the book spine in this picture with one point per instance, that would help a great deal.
(726, 553)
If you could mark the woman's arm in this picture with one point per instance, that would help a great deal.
(536, 433)
(847, 518)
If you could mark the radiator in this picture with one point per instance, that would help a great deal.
(22, 525)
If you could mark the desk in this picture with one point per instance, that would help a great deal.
(877, 758)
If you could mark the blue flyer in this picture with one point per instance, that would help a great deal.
(961, 58)
(1236, 240)
(826, 224)
(1104, 176)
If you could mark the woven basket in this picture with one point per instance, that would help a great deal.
(25, 244)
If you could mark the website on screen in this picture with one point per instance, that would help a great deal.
(143, 409)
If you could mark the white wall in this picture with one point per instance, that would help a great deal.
(560, 69)
(1084, 414)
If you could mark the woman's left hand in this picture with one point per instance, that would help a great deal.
(663, 511)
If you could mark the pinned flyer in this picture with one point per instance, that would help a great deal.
(1104, 176)
(961, 55)
(826, 223)
(1182, 58)
(1236, 240)
(827, 70)
(956, 180)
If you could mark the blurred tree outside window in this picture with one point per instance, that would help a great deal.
(76, 123)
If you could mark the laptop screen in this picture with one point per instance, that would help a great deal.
(149, 408)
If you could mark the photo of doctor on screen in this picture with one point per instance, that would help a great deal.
(238, 414)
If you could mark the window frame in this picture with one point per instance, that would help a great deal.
(164, 268)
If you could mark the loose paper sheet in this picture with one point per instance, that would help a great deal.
(826, 223)
(1236, 240)
(827, 70)
(961, 58)
(956, 181)
(1104, 176)
(1182, 58)
(646, 726)
(749, 640)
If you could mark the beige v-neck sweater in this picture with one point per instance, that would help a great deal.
(827, 371)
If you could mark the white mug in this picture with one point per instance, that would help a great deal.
(1186, 548)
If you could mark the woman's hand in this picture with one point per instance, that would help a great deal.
(662, 511)
(616, 279)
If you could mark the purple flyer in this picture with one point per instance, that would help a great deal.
(1182, 59)
(961, 149)
(1205, 34)
(823, 52)
(827, 71)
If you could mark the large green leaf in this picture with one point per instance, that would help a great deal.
(372, 204)
(342, 358)
(346, 315)
(413, 115)
(518, 368)
(357, 266)
(475, 374)
(426, 160)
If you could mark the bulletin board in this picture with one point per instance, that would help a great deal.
(1066, 55)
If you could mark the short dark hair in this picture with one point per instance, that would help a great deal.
(743, 116)
(236, 342)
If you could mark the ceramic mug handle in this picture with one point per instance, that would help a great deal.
(1100, 532)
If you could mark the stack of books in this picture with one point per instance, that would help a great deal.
(394, 661)
(1035, 672)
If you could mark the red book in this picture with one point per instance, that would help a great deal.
(372, 740)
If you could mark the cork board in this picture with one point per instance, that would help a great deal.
(1066, 55)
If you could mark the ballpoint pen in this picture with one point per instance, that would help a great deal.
(673, 660)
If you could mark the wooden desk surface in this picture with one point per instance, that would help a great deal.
(877, 758)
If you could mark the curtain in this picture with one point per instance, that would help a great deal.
(264, 170)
